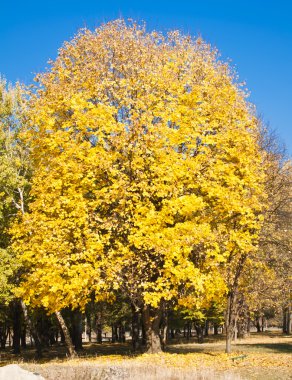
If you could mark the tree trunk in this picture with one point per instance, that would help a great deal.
(135, 328)
(85, 329)
(164, 329)
(98, 326)
(185, 331)
(263, 324)
(9, 338)
(242, 329)
(57, 335)
(248, 326)
(23, 336)
(53, 335)
(289, 320)
(206, 327)
(189, 330)
(88, 331)
(77, 329)
(229, 334)
(143, 332)
(231, 313)
(32, 330)
(121, 333)
(114, 332)
(151, 320)
(64, 328)
(199, 330)
(172, 334)
(258, 324)
(16, 327)
(215, 329)
(62, 336)
(230, 319)
(235, 331)
(4, 331)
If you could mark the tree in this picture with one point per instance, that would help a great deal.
(13, 182)
(275, 238)
(13, 189)
(15, 178)
(148, 174)
(272, 287)
(264, 282)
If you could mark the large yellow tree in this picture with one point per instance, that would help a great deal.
(145, 153)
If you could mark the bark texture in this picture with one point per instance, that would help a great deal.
(151, 321)
(65, 330)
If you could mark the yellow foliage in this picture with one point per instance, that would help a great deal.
(148, 174)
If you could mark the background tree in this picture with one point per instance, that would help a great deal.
(15, 172)
(13, 176)
(264, 282)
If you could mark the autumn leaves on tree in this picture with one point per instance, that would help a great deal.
(148, 179)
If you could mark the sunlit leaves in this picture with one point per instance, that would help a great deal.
(148, 176)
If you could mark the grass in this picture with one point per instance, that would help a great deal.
(262, 356)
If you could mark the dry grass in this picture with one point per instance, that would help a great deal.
(127, 371)
(268, 357)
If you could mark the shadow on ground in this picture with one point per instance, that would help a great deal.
(258, 343)
(281, 348)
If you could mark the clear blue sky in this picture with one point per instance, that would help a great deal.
(256, 35)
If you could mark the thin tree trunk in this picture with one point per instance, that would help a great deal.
(289, 320)
(185, 331)
(199, 330)
(89, 326)
(206, 327)
(4, 334)
(164, 329)
(98, 326)
(248, 326)
(258, 325)
(235, 331)
(114, 332)
(135, 328)
(121, 333)
(189, 330)
(85, 329)
(172, 333)
(23, 336)
(9, 338)
(57, 336)
(68, 340)
(32, 330)
(215, 329)
(232, 307)
(143, 332)
(62, 336)
(16, 327)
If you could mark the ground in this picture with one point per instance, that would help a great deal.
(262, 356)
